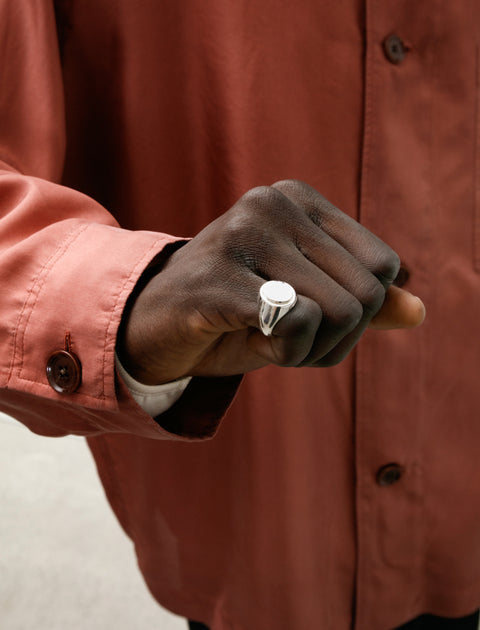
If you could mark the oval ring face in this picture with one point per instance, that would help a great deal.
(278, 293)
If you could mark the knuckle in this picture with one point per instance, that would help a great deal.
(372, 295)
(290, 351)
(333, 358)
(298, 189)
(286, 355)
(243, 227)
(237, 226)
(316, 205)
(254, 228)
(348, 314)
(387, 264)
(262, 199)
(329, 362)
(297, 330)
(303, 322)
(289, 185)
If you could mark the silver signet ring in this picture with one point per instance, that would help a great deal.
(276, 299)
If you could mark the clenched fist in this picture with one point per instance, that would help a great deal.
(199, 315)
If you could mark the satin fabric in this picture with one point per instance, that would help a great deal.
(123, 123)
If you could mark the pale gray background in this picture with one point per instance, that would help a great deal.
(65, 563)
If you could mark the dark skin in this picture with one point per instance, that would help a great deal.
(199, 315)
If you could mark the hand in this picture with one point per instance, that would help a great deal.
(199, 314)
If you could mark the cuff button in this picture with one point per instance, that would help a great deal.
(64, 372)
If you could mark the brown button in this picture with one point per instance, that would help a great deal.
(402, 277)
(64, 372)
(389, 474)
(394, 49)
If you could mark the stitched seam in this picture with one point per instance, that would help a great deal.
(37, 284)
(362, 499)
(476, 180)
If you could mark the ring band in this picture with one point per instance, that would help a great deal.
(276, 299)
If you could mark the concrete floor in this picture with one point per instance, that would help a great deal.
(64, 561)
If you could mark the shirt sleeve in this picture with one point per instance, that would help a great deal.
(66, 265)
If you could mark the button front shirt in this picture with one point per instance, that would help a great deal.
(326, 498)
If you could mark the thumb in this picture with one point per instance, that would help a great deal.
(401, 309)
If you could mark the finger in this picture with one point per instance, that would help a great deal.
(312, 328)
(295, 333)
(293, 336)
(346, 308)
(365, 246)
(321, 260)
(339, 345)
(401, 309)
(294, 240)
(341, 350)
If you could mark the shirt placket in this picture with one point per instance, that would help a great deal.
(396, 205)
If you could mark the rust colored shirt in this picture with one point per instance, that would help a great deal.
(336, 498)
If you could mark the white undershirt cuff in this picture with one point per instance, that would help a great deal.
(153, 399)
